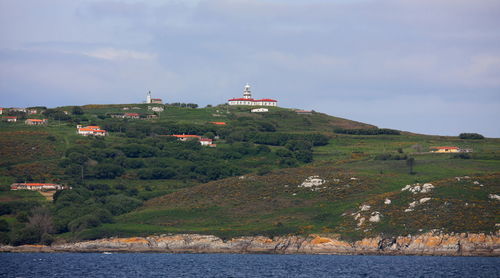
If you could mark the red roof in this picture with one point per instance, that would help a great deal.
(447, 148)
(186, 136)
(131, 114)
(156, 99)
(36, 120)
(10, 117)
(36, 184)
(218, 123)
(254, 100)
(91, 129)
(206, 139)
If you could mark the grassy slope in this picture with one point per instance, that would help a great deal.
(273, 204)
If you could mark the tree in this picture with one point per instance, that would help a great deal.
(410, 162)
(77, 110)
(470, 136)
(41, 220)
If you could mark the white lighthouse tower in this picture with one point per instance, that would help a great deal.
(148, 97)
(247, 94)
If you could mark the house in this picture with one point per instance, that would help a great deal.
(445, 149)
(121, 116)
(217, 123)
(156, 108)
(38, 186)
(18, 109)
(206, 141)
(248, 100)
(10, 119)
(36, 121)
(1, 110)
(304, 112)
(203, 141)
(31, 111)
(259, 110)
(131, 116)
(92, 130)
(151, 116)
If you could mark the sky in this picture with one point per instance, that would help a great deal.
(425, 66)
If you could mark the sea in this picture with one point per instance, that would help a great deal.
(240, 265)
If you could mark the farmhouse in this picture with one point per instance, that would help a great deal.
(37, 186)
(203, 141)
(36, 121)
(248, 100)
(445, 149)
(10, 119)
(91, 130)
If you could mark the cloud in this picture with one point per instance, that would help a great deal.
(119, 54)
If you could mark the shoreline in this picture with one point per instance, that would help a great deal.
(429, 244)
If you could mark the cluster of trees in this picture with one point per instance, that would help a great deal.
(391, 156)
(470, 136)
(370, 131)
(185, 105)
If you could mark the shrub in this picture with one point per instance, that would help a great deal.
(461, 156)
(470, 136)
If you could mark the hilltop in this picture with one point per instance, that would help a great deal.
(274, 173)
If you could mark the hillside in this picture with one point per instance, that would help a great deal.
(271, 173)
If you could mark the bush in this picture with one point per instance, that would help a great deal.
(4, 238)
(4, 226)
(461, 156)
(28, 235)
(470, 136)
(119, 204)
(108, 171)
(370, 131)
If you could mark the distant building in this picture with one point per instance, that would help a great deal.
(203, 141)
(10, 119)
(445, 149)
(259, 110)
(153, 100)
(18, 109)
(151, 116)
(38, 186)
(91, 130)
(1, 110)
(248, 100)
(304, 112)
(217, 123)
(131, 115)
(36, 121)
(31, 111)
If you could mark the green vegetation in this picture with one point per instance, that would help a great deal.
(139, 180)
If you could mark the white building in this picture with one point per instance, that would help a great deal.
(248, 100)
(156, 108)
(153, 100)
(259, 110)
(91, 130)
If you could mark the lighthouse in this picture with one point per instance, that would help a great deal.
(247, 94)
(148, 97)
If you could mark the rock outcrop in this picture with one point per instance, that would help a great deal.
(425, 244)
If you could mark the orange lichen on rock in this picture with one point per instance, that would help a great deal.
(368, 242)
(320, 240)
(432, 241)
(132, 240)
(34, 245)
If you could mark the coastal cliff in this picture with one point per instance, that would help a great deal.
(465, 244)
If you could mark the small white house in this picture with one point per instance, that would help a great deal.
(91, 130)
(260, 110)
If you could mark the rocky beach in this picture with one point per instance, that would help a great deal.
(429, 244)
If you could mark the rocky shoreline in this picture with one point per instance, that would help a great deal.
(465, 244)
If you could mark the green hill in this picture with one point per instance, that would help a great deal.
(140, 181)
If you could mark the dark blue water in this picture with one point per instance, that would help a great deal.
(234, 265)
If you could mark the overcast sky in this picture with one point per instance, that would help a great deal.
(426, 66)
